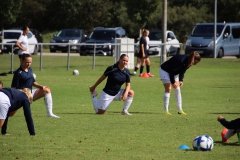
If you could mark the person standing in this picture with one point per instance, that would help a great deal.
(116, 76)
(22, 42)
(11, 100)
(143, 53)
(172, 73)
(23, 78)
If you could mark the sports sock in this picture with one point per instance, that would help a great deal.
(141, 69)
(166, 98)
(178, 98)
(95, 103)
(127, 103)
(135, 69)
(229, 133)
(49, 105)
(148, 68)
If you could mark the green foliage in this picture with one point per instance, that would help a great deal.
(210, 88)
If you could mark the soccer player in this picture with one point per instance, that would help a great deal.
(23, 78)
(11, 100)
(233, 127)
(172, 73)
(22, 42)
(117, 76)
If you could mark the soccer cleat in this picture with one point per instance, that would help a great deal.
(126, 113)
(223, 133)
(52, 115)
(141, 75)
(150, 75)
(182, 113)
(168, 113)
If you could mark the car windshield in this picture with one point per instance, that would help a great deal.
(155, 35)
(69, 33)
(11, 35)
(102, 35)
(206, 30)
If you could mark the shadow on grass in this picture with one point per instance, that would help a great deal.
(227, 144)
(225, 113)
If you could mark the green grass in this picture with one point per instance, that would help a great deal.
(210, 89)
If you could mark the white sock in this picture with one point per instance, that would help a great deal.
(127, 103)
(166, 98)
(48, 103)
(229, 133)
(95, 103)
(178, 98)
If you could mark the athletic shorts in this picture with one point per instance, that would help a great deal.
(165, 78)
(4, 105)
(106, 99)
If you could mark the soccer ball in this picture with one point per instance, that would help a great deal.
(203, 143)
(75, 72)
(34, 76)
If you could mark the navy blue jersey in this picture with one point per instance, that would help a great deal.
(18, 99)
(144, 42)
(22, 79)
(115, 80)
(177, 65)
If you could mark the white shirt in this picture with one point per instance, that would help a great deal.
(23, 40)
(4, 105)
(147, 40)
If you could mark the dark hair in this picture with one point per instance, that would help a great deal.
(24, 28)
(24, 56)
(121, 57)
(193, 57)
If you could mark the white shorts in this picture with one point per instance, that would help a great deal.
(33, 92)
(106, 99)
(165, 78)
(4, 105)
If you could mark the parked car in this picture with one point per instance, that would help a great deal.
(155, 41)
(201, 39)
(104, 36)
(38, 36)
(11, 36)
(73, 36)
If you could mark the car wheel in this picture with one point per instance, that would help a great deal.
(35, 50)
(52, 50)
(220, 53)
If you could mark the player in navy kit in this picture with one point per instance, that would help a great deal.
(172, 73)
(11, 100)
(117, 76)
(23, 78)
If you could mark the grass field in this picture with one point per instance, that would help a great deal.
(210, 89)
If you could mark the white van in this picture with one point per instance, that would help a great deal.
(201, 39)
(12, 35)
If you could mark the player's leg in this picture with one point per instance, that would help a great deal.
(142, 67)
(95, 101)
(164, 76)
(104, 102)
(148, 67)
(137, 66)
(127, 103)
(227, 133)
(46, 93)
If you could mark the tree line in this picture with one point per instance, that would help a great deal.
(52, 15)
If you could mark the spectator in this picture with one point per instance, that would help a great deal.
(22, 42)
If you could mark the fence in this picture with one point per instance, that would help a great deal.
(116, 55)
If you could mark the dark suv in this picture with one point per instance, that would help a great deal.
(104, 36)
(73, 36)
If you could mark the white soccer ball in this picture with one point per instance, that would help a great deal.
(34, 76)
(75, 72)
(203, 143)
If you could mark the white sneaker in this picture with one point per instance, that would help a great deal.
(126, 113)
(52, 115)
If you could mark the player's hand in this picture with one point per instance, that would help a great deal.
(180, 83)
(219, 118)
(175, 85)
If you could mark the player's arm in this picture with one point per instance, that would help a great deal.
(35, 84)
(19, 45)
(92, 88)
(28, 117)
